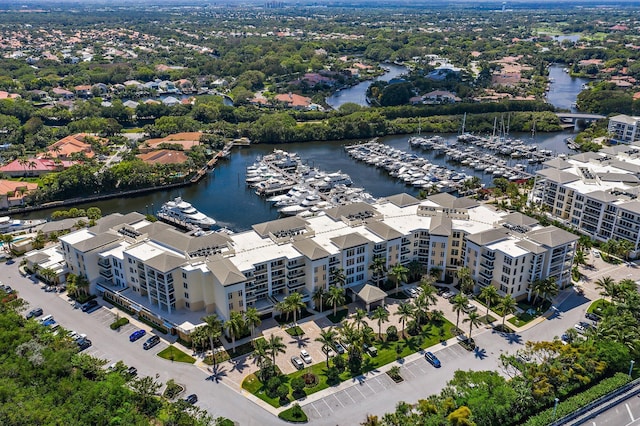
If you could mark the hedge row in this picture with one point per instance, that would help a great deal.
(578, 401)
(119, 323)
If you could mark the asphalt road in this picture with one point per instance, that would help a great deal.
(373, 395)
(626, 413)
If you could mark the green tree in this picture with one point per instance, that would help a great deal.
(381, 315)
(327, 338)
(337, 277)
(319, 297)
(336, 297)
(234, 326)
(295, 304)
(399, 273)
(488, 294)
(276, 346)
(507, 306)
(473, 318)
(465, 279)
(252, 319)
(459, 305)
(213, 330)
(405, 312)
(378, 267)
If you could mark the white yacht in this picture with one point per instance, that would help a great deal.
(181, 211)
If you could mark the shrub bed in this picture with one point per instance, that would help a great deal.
(294, 415)
(119, 323)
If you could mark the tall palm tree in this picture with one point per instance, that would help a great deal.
(585, 242)
(353, 337)
(261, 355)
(359, 318)
(276, 346)
(295, 304)
(381, 315)
(405, 312)
(429, 292)
(536, 288)
(580, 258)
(460, 302)
(234, 326)
(399, 272)
(550, 289)
(327, 338)
(213, 331)
(284, 308)
(318, 297)
(624, 247)
(421, 308)
(608, 287)
(7, 239)
(336, 297)
(507, 306)
(488, 294)
(473, 318)
(198, 337)
(338, 277)
(379, 268)
(465, 279)
(252, 319)
(416, 269)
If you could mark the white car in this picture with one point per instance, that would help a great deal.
(305, 356)
(579, 328)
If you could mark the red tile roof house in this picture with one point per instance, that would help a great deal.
(62, 93)
(294, 101)
(186, 139)
(12, 193)
(34, 167)
(83, 91)
(163, 156)
(73, 144)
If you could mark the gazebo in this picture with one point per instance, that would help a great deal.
(369, 294)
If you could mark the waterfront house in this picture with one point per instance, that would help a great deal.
(12, 193)
(74, 144)
(163, 156)
(186, 140)
(292, 100)
(34, 167)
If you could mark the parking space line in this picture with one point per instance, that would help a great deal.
(318, 412)
(629, 411)
(328, 406)
(347, 393)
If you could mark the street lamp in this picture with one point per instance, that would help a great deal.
(631, 367)
(555, 407)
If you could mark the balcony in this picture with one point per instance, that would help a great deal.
(106, 273)
(104, 263)
(491, 256)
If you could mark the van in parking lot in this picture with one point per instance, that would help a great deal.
(46, 320)
(91, 304)
(151, 342)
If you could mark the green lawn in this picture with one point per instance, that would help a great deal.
(173, 354)
(295, 331)
(598, 306)
(387, 352)
(339, 316)
(521, 319)
(294, 415)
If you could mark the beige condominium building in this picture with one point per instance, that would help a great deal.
(594, 192)
(221, 273)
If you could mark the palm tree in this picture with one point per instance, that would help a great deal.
(359, 318)
(460, 303)
(198, 337)
(234, 326)
(465, 279)
(381, 315)
(399, 273)
(318, 297)
(353, 337)
(83, 284)
(23, 161)
(336, 297)
(7, 239)
(213, 331)
(260, 355)
(416, 269)
(337, 277)
(379, 268)
(405, 312)
(421, 308)
(624, 247)
(252, 319)
(474, 321)
(608, 286)
(507, 306)
(327, 338)
(295, 304)
(585, 242)
(429, 292)
(580, 258)
(284, 308)
(550, 289)
(276, 346)
(488, 294)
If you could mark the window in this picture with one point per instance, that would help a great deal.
(230, 306)
(230, 296)
(443, 245)
(240, 293)
(455, 244)
(187, 305)
(186, 295)
(184, 275)
(185, 285)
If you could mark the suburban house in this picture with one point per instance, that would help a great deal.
(34, 167)
(291, 100)
(73, 144)
(12, 193)
(187, 140)
(163, 156)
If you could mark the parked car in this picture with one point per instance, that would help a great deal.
(297, 362)
(48, 320)
(91, 304)
(591, 316)
(580, 328)
(132, 371)
(339, 348)
(412, 292)
(470, 308)
(192, 399)
(151, 342)
(433, 360)
(305, 356)
(328, 351)
(34, 313)
(137, 335)
(84, 344)
(447, 295)
(370, 349)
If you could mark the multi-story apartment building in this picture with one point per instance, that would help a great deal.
(624, 129)
(596, 193)
(222, 273)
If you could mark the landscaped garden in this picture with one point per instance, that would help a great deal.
(278, 389)
(174, 354)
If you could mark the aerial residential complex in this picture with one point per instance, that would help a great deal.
(173, 271)
(624, 128)
(594, 192)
